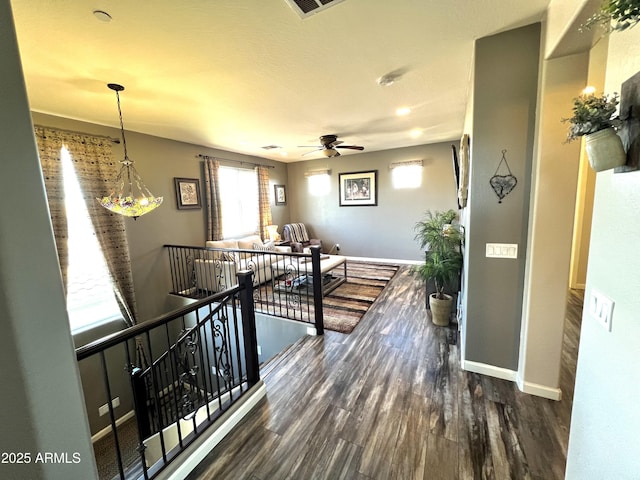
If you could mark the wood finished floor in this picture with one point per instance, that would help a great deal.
(390, 401)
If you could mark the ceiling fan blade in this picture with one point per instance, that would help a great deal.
(312, 151)
(310, 146)
(351, 147)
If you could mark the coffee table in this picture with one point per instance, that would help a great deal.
(298, 274)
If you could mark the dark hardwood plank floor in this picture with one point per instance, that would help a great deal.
(390, 401)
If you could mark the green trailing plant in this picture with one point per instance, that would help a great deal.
(615, 16)
(592, 113)
(441, 238)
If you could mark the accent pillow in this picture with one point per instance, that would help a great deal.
(229, 257)
(265, 247)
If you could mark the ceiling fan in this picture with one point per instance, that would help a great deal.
(328, 146)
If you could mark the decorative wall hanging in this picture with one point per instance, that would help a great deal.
(463, 187)
(187, 193)
(456, 171)
(280, 194)
(358, 189)
(630, 128)
(503, 184)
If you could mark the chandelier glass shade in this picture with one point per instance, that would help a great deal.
(129, 196)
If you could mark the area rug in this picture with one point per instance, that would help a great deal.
(347, 304)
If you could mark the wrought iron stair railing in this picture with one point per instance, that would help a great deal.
(204, 358)
(286, 285)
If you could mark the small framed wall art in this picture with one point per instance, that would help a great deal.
(280, 192)
(187, 193)
(358, 189)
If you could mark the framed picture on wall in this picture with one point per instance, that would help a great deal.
(187, 193)
(280, 194)
(358, 189)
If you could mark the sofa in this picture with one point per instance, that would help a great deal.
(298, 237)
(217, 270)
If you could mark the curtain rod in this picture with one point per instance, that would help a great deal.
(241, 162)
(114, 140)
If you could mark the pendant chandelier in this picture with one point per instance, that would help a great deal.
(129, 196)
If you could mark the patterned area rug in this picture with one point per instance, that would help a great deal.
(346, 305)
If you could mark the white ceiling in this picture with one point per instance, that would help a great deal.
(242, 74)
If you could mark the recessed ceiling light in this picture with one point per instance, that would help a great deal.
(283, 153)
(403, 111)
(415, 133)
(102, 15)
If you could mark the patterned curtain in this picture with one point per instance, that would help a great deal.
(95, 170)
(49, 147)
(214, 207)
(263, 200)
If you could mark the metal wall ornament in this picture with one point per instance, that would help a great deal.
(503, 184)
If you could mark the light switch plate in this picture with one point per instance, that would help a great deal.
(502, 250)
(601, 308)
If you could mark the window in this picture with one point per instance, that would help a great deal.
(319, 182)
(239, 199)
(406, 174)
(90, 297)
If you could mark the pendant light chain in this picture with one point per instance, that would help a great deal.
(124, 140)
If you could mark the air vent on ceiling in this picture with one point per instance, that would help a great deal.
(306, 8)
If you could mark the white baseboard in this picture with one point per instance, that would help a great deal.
(107, 430)
(490, 370)
(385, 260)
(506, 374)
(180, 470)
(539, 390)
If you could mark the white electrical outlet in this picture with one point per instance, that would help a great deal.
(601, 308)
(259, 350)
(104, 409)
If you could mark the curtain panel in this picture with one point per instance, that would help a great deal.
(264, 206)
(96, 170)
(49, 147)
(212, 195)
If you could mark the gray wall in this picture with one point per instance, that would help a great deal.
(41, 398)
(504, 109)
(383, 231)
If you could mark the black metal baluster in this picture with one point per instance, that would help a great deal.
(317, 291)
(249, 329)
(112, 417)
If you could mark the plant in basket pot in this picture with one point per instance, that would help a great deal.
(441, 238)
(594, 117)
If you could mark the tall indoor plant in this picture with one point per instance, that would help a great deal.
(441, 238)
(594, 117)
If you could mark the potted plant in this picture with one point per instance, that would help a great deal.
(615, 15)
(594, 118)
(441, 238)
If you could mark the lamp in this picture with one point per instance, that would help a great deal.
(272, 232)
(129, 196)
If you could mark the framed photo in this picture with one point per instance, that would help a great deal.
(187, 193)
(280, 194)
(358, 189)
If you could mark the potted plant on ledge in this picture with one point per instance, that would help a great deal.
(443, 259)
(594, 118)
